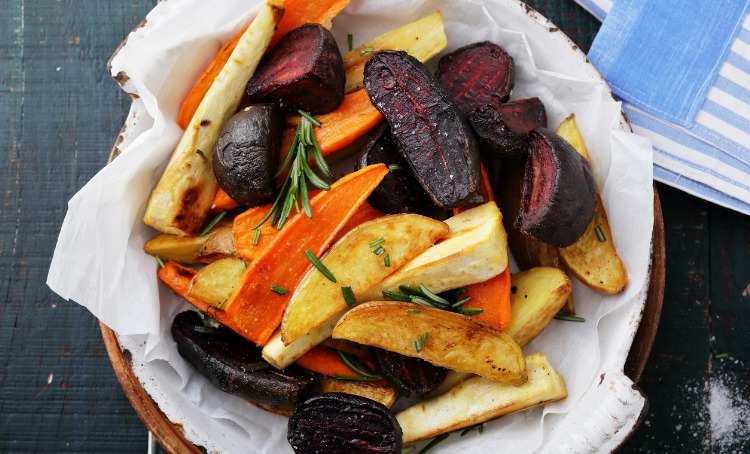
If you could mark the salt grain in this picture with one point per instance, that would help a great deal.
(729, 413)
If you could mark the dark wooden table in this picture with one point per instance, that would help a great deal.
(59, 114)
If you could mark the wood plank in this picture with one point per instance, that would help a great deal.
(60, 111)
(676, 375)
(729, 385)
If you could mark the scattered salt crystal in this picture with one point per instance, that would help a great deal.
(730, 413)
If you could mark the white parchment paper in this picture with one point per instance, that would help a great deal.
(99, 260)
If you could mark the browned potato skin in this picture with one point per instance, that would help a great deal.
(594, 262)
(220, 245)
(383, 394)
(454, 341)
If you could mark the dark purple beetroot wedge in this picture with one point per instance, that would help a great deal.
(432, 135)
(409, 376)
(235, 365)
(559, 191)
(502, 128)
(343, 423)
(399, 192)
(303, 71)
(477, 74)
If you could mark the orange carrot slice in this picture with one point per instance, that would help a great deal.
(178, 277)
(325, 361)
(298, 13)
(493, 295)
(255, 308)
(354, 117)
(222, 202)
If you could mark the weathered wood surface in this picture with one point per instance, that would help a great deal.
(60, 113)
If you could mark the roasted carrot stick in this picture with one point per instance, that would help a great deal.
(255, 308)
(354, 117)
(222, 202)
(325, 361)
(298, 13)
(178, 277)
(493, 295)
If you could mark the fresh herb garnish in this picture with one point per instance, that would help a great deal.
(294, 190)
(256, 237)
(367, 50)
(419, 343)
(395, 167)
(722, 355)
(319, 265)
(478, 427)
(596, 216)
(461, 302)
(244, 264)
(397, 296)
(379, 251)
(279, 290)
(159, 261)
(433, 297)
(208, 321)
(357, 366)
(423, 296)
(350, 40)
(599, 234)
(411, 310)
(377, 242)
(387, 260)
(200, 152)
(222, 305)
(432, 443)
(213, 223)
(570, 318)
(469, 310)
(349, 298)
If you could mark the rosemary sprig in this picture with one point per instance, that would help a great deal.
(319, 265)
(569, 318)
(448, 300)
(297, 163)
(213, 223)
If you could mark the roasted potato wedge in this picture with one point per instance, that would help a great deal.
(357, 261)
(182, 198)
(442, 338)
(593, 259)
(220, 245)
(215, 282)
(536, 296)
(280, 356)
(422, 39)
(180, 249)
(478, 399)
(383, 394)
(474, 251)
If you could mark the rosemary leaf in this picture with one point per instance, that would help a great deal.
(350, 41)
(357, 366)
(159, 261)
(411, 310)
(379, 251)
(256, 238)
(395, 167)
(438, 299)
(478, 427)
(432, 443)
(349, 297)
(200, 152)
(222, 305)
(469, 310)
(319, 265)
(367, 50)
(599, 234)
(310, 118)
(279, 290)
(397, 296)
(569, 318)
(387, 260)
(377, 242)
(213, 223)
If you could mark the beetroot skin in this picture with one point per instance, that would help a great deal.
(502, 128)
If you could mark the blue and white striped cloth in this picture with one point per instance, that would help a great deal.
(700, 134)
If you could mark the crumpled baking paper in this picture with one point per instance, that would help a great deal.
(99, 260)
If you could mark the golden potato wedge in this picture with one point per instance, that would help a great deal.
(383, 394)
(354, 262)
(220, 245)
(215, 282)
(477, 400)
(180, 249)
(593, 259)
(474, 251)
(422, 39)
(281, 356)
(536, 296)
(443, 338)
(182, 198)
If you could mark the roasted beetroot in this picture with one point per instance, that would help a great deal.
(409, 376)
(502, 128)
(343, 423)
(399, 192)
(559, 191)
(246, 154)
(303, 71)
(235, 365)
(432, 135)
(477, 74)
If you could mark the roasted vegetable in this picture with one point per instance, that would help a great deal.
(303, 71)
(246, 153)
(399, 192)
(593, 259)
(422, 39)
(559, 191)
(474, 251)
(502, 127)
(215, 283)
(433, 136)
(343, 423)
(281, 356)
(409, 376)
(218, 246)
(181, 249)
(478, 399)
(180, 202)
(234, 365)
(371, 390)
(477, 74)
(359, 260)
(442, 338)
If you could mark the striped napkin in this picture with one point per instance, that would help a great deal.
(682, 70)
